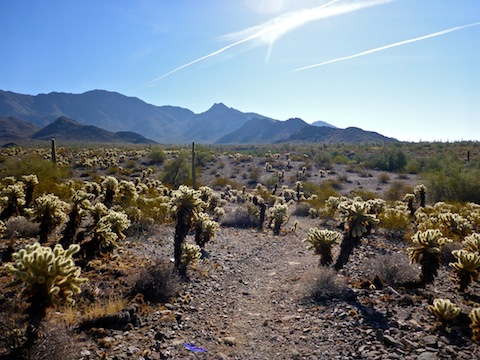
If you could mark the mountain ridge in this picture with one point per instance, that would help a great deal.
(166, 124)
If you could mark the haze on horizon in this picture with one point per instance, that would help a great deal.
(407, 69)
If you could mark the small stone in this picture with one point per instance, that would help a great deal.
(427, 356)
(390, 341)
(430, 341)
(230, 340)
(295, 354)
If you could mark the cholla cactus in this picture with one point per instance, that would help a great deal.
(444, 310)
(357, 223)
(30, 182)
(98, 211)
(321, 242)
(12, 198)
(118, 221)
(81, 202)
(420, 191)
(185, 205)
(356, 218)
(50, 277)
(278, 215)
(465, 268)
(49, 210)
(453, 225)
(110, 186)
(104, 240)
(205, 229)
(475, 325)
(409, 199)
(427, 252)
(127, 193)
(190, 254)
(472, 243)
(2, 228)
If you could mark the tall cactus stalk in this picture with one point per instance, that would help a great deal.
(54, 152)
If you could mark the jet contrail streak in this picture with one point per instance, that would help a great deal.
(367, 52)
(279, 26)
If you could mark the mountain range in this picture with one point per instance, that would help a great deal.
(100, 115)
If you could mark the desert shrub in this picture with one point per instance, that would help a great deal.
(392, 269)
(221, 182)
(156, 156)
(322, 284)
(55, 342)
(242, 217)
(364, 194)
(323, 159)
(383, 178)
(158, 283)
(177, 171)
(454, 182)
(388, 159)
(397, 191)
(301, 209)
(395, 222)
(20, 226)
(49, 175)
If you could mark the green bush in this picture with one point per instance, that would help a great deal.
(157, 157)
(178, 170)
(388, 159)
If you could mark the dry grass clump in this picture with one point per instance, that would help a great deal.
(323, 284)
(158, 283)
(392, 269)
(104, 307)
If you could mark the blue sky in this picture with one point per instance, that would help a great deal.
(409, 69)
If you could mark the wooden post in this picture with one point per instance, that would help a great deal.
(194, 180)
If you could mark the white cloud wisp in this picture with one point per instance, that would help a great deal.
(382, 48)
(269, 32)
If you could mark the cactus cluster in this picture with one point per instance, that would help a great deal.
(466, 267)
(427, 253)
(278, 214)
(50, 276)
(321, 242)
(444, 310)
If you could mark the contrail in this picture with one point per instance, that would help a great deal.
(439, 33)
(274, 29)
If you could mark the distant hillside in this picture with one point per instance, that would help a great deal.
(311, 133)
(116, 112)
(96, 110)
(260, 131)
(69, 130)
(14, 129)
(322, 123)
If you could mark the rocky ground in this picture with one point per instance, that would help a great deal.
(251, 298)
